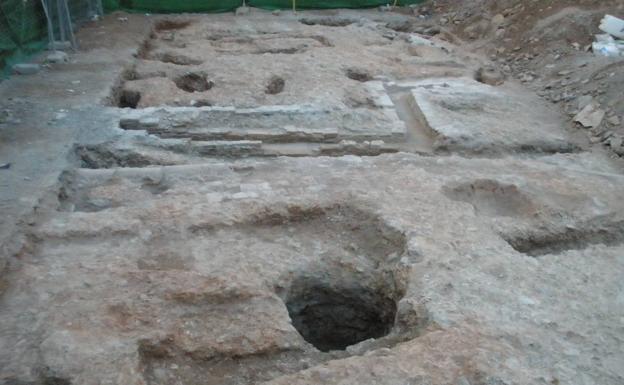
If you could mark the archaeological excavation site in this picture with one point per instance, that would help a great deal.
(311, 192)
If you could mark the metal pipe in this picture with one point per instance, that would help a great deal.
(70, 28)
(49, 23)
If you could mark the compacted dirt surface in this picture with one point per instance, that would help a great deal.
(327, 197)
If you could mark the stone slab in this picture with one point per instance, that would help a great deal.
(468, 116)
(285, 123)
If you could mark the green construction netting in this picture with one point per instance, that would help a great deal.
(325, 4)
(22, 31)
(172, 6)
(229, 5)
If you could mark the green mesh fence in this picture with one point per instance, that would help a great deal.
(22, 31)
(230, 5)
(172, 6)
(326, 4)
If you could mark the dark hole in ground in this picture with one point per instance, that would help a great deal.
(327, 21)
(129, 99)
(193, 82)
(333, 318)
(275, 86)
(358, 74)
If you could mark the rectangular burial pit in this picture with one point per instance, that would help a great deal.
(279, 83)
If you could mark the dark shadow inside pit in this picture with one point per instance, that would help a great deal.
(129, 99)
(333, 318)
(275, 86)
(193, 82)
(358, 74)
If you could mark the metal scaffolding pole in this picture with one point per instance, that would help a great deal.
(44, 5)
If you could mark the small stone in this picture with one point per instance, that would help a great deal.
(276, 12)
(590, 116)
(614, 120)
(57, 57)
(26, 68)
(498, 20)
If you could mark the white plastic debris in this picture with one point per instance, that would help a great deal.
(613, 26)
(606, 49)
(606, 44)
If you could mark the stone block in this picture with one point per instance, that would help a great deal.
(26, 68)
